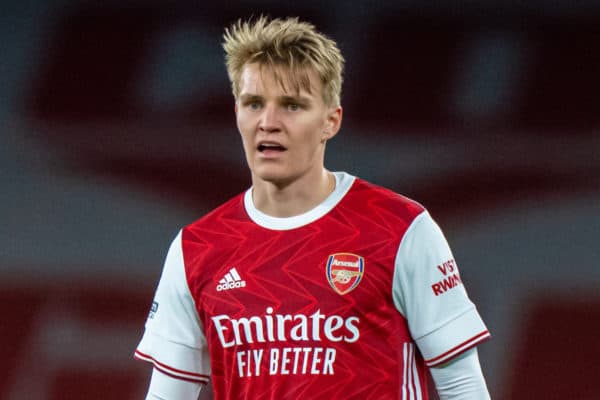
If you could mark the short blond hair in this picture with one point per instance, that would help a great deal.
(289, 43)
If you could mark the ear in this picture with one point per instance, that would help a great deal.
(333, 122)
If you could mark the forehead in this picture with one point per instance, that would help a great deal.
(280, 80)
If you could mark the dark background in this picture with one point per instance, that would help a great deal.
(117, 128)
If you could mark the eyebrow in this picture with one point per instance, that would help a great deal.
(250, 97)
(247, 97)
(295, 99)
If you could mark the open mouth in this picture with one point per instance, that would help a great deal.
(270, 147)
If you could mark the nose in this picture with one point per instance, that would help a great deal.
(269, 120)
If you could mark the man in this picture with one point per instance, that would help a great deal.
(311, 284)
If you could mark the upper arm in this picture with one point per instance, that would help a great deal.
(173, 340)
(164, 387)
(428, 291)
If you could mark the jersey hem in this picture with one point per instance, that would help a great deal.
(453, 338)
(457, 350)
(170, 371)
(173, 358)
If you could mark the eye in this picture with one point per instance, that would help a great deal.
(293, 107)
(254, 105)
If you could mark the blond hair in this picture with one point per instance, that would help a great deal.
(296, 46)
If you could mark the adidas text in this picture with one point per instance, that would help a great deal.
(230, 285)
(231, 280)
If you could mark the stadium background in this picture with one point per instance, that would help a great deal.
(118, 128)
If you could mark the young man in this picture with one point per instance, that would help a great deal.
(312, 284)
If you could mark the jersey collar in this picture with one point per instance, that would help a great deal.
(343, 182)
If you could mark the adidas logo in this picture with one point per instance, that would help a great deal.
(231, 280)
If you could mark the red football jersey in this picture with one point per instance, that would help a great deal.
(348, 301)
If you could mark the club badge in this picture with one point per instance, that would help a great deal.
(344, 271)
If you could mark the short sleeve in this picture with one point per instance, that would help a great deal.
(173, 339)
(428, 291)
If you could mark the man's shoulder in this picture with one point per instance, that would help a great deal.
(232, 208)
(380, 197)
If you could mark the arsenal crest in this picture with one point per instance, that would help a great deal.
(344, 271)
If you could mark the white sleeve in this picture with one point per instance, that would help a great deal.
(173, 340)
(461, 378)
(428, 291)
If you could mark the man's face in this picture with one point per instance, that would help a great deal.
(283, 132)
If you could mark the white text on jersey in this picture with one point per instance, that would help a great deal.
(283, 327)
(231, 280)
(287, 361)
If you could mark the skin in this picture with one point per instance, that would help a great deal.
(284, 134)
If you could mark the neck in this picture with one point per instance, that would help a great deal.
(295, 198)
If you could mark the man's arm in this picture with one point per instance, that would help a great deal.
(443, 321)
(173, 341)
(164, 387)
(461, 378)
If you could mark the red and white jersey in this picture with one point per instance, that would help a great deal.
(351, 300)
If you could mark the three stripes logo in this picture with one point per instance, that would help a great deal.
(231, 280)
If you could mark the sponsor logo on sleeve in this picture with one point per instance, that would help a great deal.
(344, 271)
(451, 278)
(153, 309)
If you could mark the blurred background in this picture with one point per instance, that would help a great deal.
(117, 129)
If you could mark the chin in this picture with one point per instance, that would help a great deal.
(273, 175)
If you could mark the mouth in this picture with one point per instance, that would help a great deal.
(270, 147)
